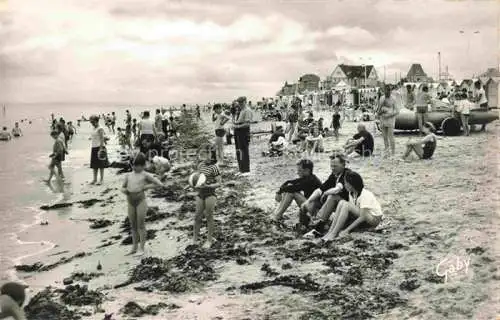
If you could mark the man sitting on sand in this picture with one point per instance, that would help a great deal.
(361, 144)
(328, 194)
(12, 297)
(298, 190)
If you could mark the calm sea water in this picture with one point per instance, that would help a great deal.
(23, 166)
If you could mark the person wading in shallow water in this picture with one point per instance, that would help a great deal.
(12, 297)
(98, 155)
(242, 136)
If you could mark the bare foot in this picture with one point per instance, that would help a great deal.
(98, 183)
(93, 182)
(132, 252)
(139, 253)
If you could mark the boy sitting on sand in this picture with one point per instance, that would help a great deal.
(362, 205)
(423, 148)
(134, 186)
(205, 200)
(12, 297)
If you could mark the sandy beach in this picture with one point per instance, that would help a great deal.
(435, 256)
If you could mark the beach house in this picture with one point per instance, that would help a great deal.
(354, 75)
(417, 74)
(308, 82)
(467, 84)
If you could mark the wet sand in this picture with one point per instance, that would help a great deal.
(435, 211)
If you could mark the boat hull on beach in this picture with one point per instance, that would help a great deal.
(445, 121)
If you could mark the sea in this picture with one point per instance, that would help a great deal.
(24, 165)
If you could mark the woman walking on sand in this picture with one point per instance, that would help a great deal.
(98, 154)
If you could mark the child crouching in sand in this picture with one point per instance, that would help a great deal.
(134, 186)
(205, 201)
(362, 204)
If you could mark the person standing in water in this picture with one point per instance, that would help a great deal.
(16, 131)
(387, 113)
(12, 297)
(133, 187)
(57, 157)
(5, 135)
(98, 154)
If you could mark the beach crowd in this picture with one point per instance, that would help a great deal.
(327, 209)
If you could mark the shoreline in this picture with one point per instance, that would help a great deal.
(264, 257)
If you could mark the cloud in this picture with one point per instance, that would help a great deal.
(192, 51)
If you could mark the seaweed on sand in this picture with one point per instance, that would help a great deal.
(43, 306)
(133, 309)
(305, 283)
(356, 302)
(80, 296)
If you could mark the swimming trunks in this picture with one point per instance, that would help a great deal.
(135, 198)
(205, 193)
(220, 133)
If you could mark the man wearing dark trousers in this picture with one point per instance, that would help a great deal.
(242, 136)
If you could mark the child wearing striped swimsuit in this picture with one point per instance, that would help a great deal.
(205, 201)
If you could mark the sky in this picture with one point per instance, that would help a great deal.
(183, 51)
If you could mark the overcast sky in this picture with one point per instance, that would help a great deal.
(175, 51)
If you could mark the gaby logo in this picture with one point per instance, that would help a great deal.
(452, 265)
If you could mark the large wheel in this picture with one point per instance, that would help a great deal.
(451, 127)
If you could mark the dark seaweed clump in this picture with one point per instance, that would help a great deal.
(77, 295)
(133, 309)
(43, 307)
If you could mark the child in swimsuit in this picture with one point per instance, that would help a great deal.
(205, 201)
(57, 157)
(134, 186)
(12, 297)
